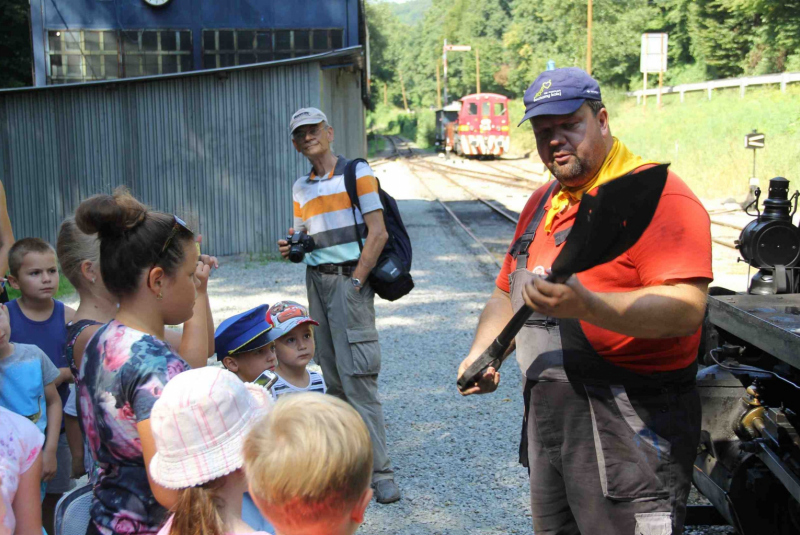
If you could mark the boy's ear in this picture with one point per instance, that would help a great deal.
(12, 280)
(360, 507)
(230, 364)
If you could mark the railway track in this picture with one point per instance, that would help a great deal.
(490, 231)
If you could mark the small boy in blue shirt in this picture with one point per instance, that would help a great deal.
(38, 319)
(28, 388)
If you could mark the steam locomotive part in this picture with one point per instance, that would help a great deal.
(748, 462)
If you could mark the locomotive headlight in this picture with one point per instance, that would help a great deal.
(771, 242)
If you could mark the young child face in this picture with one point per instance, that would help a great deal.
(250, 364)
(37, 277)
(296, 348)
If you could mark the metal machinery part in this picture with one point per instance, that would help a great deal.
(748, 462)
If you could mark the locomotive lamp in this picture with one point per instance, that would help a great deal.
(771, 243)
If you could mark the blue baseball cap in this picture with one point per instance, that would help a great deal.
(559, 92)
(285, 316)
(243, 332)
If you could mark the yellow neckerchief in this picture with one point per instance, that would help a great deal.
(619, 162)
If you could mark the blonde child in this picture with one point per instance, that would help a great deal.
(309, 466)
(199, 425)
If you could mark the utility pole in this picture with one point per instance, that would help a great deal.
(403, 90)
(444, 63)
(477, 70)
(589, 39)
(454, 48)
(438, 88)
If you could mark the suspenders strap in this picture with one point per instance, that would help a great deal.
(519, 251)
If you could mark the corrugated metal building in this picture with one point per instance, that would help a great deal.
(212, 146)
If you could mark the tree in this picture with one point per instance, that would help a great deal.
(15, 44)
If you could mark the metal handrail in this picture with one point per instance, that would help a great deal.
(780, 78)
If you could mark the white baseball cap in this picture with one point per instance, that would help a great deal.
(306, 116)
(199, 425)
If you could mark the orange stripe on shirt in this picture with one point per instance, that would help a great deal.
(297, 212)
(366, 184)
(324, 204)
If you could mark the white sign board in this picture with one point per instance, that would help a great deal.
(654, 52)
(458, 48)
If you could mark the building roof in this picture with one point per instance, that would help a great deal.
(343, 57)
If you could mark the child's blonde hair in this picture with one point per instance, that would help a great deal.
(310, 459)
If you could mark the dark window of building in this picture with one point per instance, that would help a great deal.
(473, 109)
(224, 48)
(84, 55)
(152, 52)
(81, 56)
(336, 39)
(486, 109)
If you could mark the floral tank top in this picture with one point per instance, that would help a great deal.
(122, 375)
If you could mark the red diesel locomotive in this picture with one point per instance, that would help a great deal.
(476, 127)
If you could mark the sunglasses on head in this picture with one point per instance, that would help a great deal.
(179, 224)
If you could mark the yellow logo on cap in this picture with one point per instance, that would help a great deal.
(545, 85)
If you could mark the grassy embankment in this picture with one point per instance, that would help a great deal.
(703, 139)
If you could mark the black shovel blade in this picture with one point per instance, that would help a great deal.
(607, 224)
(611, 221)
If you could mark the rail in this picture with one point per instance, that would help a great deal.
(742, 83)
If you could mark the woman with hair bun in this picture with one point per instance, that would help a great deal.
(79, 256)
(148, 262)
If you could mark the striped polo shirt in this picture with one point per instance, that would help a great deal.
(322, 208)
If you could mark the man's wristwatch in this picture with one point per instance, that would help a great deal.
(356, 283)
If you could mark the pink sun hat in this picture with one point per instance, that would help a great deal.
(199, 425)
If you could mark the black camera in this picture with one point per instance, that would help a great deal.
(300, 243)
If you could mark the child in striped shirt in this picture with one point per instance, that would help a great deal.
(293, 335)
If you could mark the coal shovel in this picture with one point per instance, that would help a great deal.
(608, 223)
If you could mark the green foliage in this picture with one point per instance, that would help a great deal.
(707, 39)
(411, 12)
(15, 45)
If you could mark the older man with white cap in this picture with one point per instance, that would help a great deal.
(340, 297)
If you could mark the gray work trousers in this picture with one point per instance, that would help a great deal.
(349, 354)
(607, 461)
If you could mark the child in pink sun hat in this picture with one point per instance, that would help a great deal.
(199, 425)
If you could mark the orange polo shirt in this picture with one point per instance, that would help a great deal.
(676, 246)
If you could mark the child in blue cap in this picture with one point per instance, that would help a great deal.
(245, 349)
(294, 345)
(244, 346)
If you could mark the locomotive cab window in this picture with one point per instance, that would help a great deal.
(473, 109)
(499, 109)
(486, 109)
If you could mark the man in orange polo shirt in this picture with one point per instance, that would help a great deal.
(612, 416)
